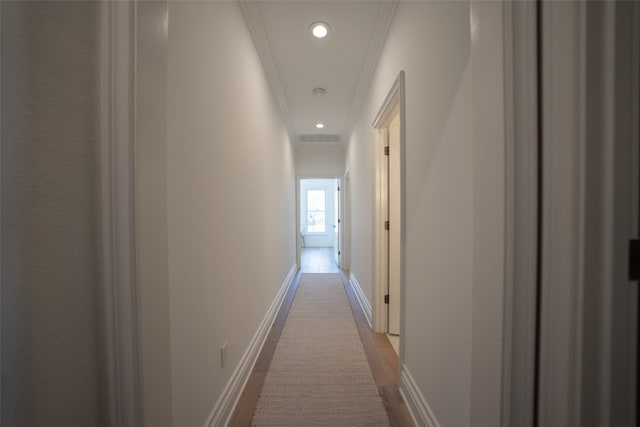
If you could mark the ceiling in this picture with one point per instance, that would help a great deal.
(296, 62)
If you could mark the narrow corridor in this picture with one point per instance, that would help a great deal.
(318, 260)
(381, 357)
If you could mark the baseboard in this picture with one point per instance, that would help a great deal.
(362, 299)
(416, 403)
(224, 407)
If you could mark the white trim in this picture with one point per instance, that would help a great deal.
(299, 219)
(606, 384)
(590, 72)
(416, 403)
(346, 221)
(563, 214)
(362, 299)
(251, 12)
(380, 32)
(393, 104)
(224, 407)
(521, 202)
(1, 228)
(298, 233)
(607, 157)
(118, 208)
(380, 237)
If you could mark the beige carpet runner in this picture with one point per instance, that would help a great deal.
(319, 374)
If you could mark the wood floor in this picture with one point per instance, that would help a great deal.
(382, 360)
(318, 260)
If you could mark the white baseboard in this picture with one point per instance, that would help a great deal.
(362, 299)
(416, 403)
(224, 407)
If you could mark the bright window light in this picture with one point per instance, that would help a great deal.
(316, 211)
(319, 125)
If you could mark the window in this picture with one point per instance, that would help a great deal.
(316, 211)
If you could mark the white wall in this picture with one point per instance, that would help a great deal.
(230, 198)
(319, 162)
(454, 201)
(326, 239)
(52, 369)
(152, 255)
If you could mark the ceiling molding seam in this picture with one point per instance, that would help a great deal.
(253, 18)
(380, 32)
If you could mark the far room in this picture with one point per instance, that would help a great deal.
(319, 225)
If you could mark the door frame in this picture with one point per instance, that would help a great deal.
(585, 365)
(118, 200)
(299, 219)
(393, 104)
(521, 213)
(345, 235)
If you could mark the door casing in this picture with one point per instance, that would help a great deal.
(393, 105)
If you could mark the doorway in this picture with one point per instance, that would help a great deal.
(389, 216)
(319, 225)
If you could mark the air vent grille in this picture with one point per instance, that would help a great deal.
(319, 138)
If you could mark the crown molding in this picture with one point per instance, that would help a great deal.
(253, 18)
(380, 32)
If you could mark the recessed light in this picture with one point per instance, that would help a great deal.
(319, 29)
(319, 125)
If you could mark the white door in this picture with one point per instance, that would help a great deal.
(394, 226)
(336, 225)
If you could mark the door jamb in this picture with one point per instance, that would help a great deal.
(393, 104)
(298, 218)
(118, 199)
(521, 204)
(345, 207)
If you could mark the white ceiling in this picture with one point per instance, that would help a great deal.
(296, 62)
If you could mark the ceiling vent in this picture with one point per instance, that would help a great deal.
(319, 138)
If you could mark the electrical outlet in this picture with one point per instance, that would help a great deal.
(223, 355)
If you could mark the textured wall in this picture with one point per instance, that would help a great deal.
(50, 219)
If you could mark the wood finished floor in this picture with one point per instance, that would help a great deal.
(380, 354)
(318, 260)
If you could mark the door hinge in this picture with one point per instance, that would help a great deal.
(386, 299)
(634, 259)
(338, 252)
(386, 225)
(386, 150)
(338, 220)
(338, 188)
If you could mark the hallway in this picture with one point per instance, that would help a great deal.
(150, 218)
(382, 360)
(318, 260)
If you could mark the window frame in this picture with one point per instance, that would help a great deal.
(307, 210)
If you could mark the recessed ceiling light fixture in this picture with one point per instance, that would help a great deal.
(319, 125)
(319, 29)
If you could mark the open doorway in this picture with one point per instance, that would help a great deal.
(388, 216)
(319, 225)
